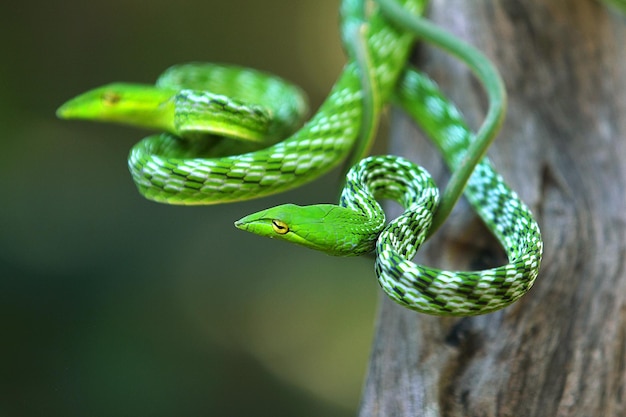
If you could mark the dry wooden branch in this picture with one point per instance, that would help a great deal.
(561, 350)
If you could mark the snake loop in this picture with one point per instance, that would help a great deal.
(318, 146)
(357, 225)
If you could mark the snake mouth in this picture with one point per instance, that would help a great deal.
(242, 225)
(254, 222)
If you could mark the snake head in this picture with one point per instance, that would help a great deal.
(139, 105)
(324, 227)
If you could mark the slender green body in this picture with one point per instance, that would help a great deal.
(421, 288)
(198, 106)
(163, 170)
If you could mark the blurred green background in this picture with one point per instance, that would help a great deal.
(112, 305)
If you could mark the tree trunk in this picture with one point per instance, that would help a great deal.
(560, 350)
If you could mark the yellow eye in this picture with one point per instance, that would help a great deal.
(280, 227)
(111, 98)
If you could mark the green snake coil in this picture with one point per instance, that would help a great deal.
(222, 141)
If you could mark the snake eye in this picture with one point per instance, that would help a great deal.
(109, 98)
(280, 227)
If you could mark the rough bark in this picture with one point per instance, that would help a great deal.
(561, 350)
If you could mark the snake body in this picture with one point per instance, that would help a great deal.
(192, 163)
(163, 170)
(424, 289)
(458, 293)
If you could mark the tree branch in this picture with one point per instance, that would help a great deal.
(561, 350)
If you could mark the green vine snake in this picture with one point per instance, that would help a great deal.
(223, 141)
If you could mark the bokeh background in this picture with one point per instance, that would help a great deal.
(111, 305)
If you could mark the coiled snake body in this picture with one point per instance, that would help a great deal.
(192, 163)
